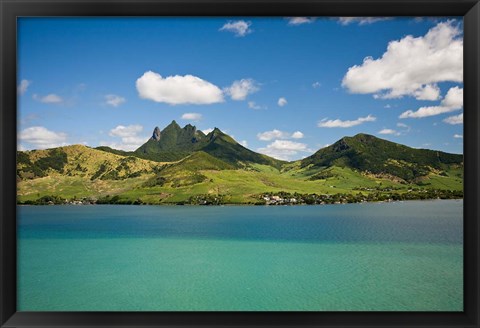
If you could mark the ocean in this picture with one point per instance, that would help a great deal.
(400, 256)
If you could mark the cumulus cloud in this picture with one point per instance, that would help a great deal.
(244, 143)
(269, 135)
(239, 90)
(389, 131)
(114, 100)
(277, 134)
(239, 28)
(345, 124)
(300, 20)
(283, 149)
(254, 105)
(458, 136)
(23, 86)
(428, 92)
(130, 140)
(282, 102)
(297, 135)
(176, 90)
(126, 131)
(316, 85)
(453, 98)
(361, 20)
(207, 131)
(40, 137)
(453, 101)
(457, 119)
(411, 66)
(48, 99)
(192, 116)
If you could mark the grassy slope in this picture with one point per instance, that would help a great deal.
(77, 178)
(201, 173)
(368, 153)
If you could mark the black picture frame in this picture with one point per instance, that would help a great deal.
(10, 10)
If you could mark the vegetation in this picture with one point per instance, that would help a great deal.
(55, 159)
(356, 169)
(370, 154)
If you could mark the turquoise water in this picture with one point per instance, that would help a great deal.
(360, 257)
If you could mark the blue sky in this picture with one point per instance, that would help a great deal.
(281, 86)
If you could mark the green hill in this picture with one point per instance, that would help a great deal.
(217, 170)
(224, 147)
(367, 153)
(174, 143)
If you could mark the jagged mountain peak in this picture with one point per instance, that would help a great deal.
(156, 134)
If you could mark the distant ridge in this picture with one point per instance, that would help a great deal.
(368, 153)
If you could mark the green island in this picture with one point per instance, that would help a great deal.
(184, 166)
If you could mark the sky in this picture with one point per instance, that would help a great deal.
(284, 87)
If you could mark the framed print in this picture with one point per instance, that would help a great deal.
(225, 163)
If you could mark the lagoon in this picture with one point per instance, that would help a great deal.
(401, 256)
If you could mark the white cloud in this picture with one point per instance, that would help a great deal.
(453, 101)
(207, 131)
(114, 100)
(387, 106)
(300, 20)
(192, 116)
(48, 99)
(124, 146)
(42, 138)
(428, 92)
(389, 131)
(458, 136)
(345, 124)
(254, 105)
(274, 134)
(316, 85)
(239, 90)
(411, 66)
(277, 134)
(297, 135)
(244, 143)
(453, 98)
(126, 131)
(405, 127)
(175, 90)
(283, 149)
(239, 28)
(457, 119)
(130, 140)
(361, 20)
(23, 86)
(282, 101)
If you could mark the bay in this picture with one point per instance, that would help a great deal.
(402, 256)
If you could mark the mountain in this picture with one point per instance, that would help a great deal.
(174, 143)
(216, 170)
(171, 144)
(224, 147)
(370, 154)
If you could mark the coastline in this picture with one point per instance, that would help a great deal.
(248, 204)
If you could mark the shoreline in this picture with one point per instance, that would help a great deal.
(248, 205)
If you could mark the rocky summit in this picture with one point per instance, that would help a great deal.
(156, 134)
